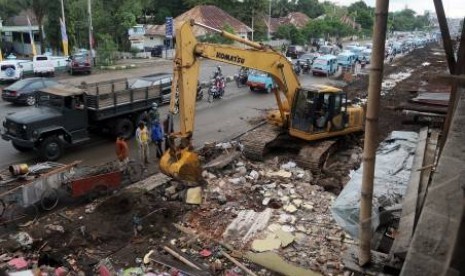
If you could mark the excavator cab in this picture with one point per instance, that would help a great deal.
(319, 112)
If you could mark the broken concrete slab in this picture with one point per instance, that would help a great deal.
(286, 238)
(280, 173)
(274, 262)
(290, 208)
(151, 182)
(271, 242)
(223, 160)
(194, 195)
(247, 224)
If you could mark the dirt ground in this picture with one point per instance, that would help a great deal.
(84, 234)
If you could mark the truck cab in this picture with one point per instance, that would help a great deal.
(66, 115)
(43, 65)
(59, 118)
(258, 80)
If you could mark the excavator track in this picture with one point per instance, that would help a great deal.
(255, 142)
(309, 155)
(314, 156)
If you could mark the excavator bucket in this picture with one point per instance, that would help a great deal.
(182, 164)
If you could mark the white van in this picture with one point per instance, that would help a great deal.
(10, 70)
(43, 65)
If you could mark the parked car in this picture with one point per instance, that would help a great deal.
(11, 70)
(25, 91)
(329, 50)
(157, 51)
(366, 54)
(79, 63)
(258, 80)
(294, 51)
(325, 65)
(43, 65)
(346, 59)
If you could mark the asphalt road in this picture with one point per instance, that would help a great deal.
(215, 121)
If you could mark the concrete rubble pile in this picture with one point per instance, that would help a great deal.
(271, 208)
(271, 216)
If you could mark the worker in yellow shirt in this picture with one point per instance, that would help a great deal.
(142, 137)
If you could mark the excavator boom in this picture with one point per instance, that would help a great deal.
(179, 161)
(307, 114)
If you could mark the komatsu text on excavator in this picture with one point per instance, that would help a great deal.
(309, 116)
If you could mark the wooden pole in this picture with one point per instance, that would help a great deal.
(181, 258)
(371, 128)
(446, 41)
(236, 262)
(459, 69)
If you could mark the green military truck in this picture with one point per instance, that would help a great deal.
(66, 115)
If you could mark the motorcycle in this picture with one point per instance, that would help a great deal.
(216, 90)
(306, 67)
(241, 78)
(297, 68)
(199, 95)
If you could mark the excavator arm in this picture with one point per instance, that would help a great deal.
(180, 161)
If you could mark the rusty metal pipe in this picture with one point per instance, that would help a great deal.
(371, 128)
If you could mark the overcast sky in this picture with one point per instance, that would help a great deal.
(453, 8)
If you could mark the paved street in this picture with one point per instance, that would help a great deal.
(217, 121)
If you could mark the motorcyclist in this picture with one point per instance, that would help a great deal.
(218, 72)
(307, 65)
(297, 67)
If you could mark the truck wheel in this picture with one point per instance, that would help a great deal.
(51, 148)
(124, 127)
(251, 88)
(20, 148)
(49, 199)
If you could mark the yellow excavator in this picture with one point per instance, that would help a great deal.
(304, 115)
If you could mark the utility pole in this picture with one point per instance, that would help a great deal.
(253, 22)
(91, 29)
(63, 12)
(269, 21)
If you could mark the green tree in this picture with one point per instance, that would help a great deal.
(52, 26)
(106, 49)
(290, 32)
(218, 39)
(115, 17)
(407, 20)
(39, 8)
(362, 14)
(328, 27)
(7, 9)
(312, 8)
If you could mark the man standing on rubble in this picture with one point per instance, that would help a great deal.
(142, 138)
(157, 137)
(153, 116)
(122, 151)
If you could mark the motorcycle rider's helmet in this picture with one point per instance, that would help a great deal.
(154, 105)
